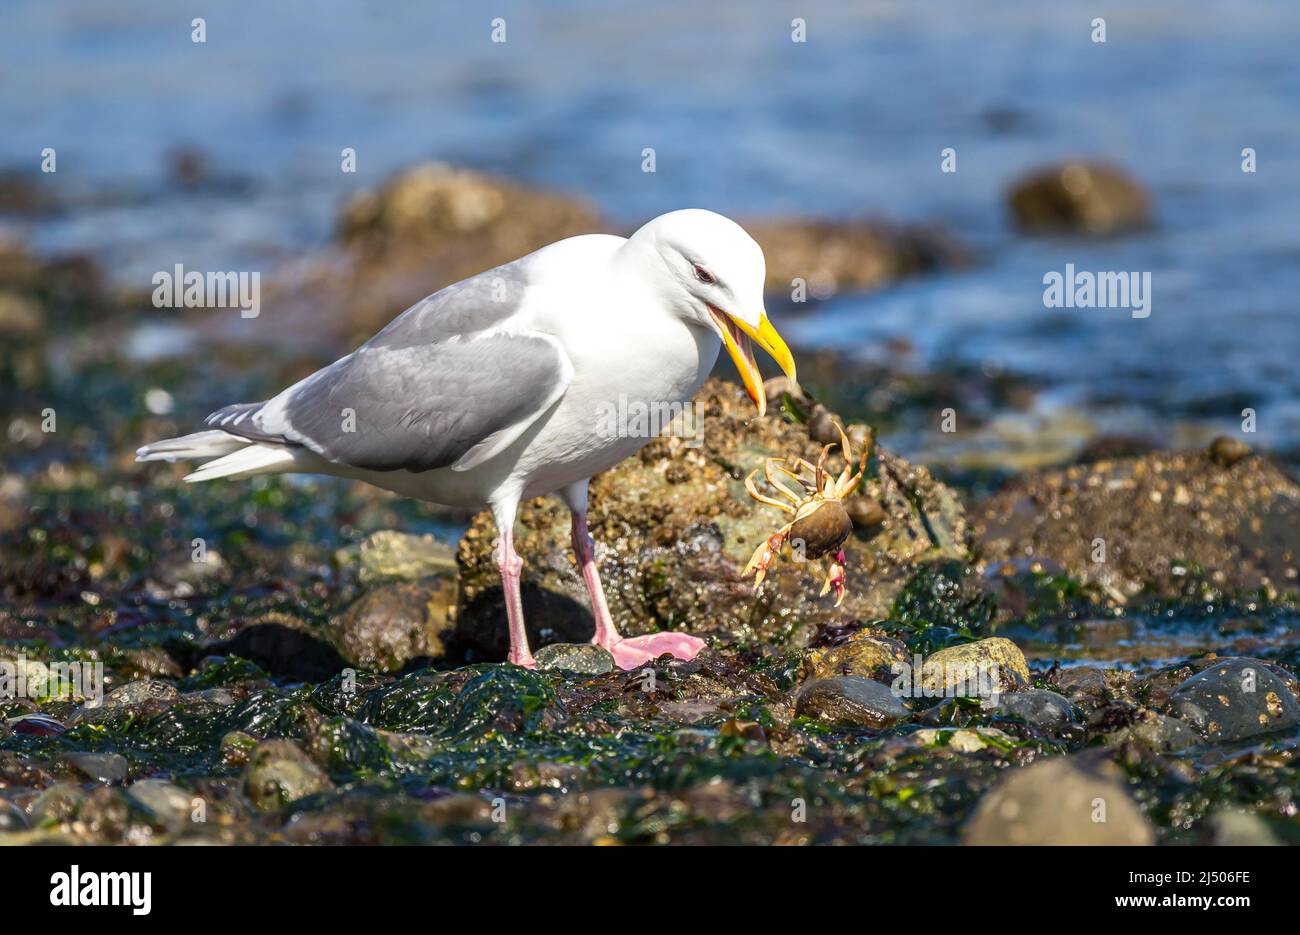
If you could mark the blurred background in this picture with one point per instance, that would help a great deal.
(925, 292)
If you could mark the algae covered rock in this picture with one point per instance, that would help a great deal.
(1165, 525)
(866, 653)
(674, 528)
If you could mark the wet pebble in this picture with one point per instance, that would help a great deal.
(850, 701)
(1039, 707)
(36, 725)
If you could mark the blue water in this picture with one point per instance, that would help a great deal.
(743, 121)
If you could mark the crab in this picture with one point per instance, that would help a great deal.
(820, 524)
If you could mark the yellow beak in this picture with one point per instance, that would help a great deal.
(736, 336)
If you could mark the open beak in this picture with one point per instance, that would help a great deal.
(736, 336)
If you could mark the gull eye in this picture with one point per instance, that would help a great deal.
(703, 275)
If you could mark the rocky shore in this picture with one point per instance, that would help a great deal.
(305, 661)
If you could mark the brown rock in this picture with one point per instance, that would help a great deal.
(1079, 198)
(1162, 517)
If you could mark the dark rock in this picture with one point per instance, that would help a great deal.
(1079, 198)
(1111, 447)
(284, 646)
(1235, 699)
(36, 725)
(1065, 800)
(1156, 731)
(582, 658)
(850, 701)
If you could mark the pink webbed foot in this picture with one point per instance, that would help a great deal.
(638, 650)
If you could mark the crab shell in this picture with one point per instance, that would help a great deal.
(822, 526)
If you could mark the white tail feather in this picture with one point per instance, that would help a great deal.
(199, 445)
(247, 462)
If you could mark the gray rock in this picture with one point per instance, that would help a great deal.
(280, 773)
(1235, 699)
(582, 658)
(1059, 801)
(1039, 707)
(101, 767)
(850, 701)
(168, 804)
(12, 818)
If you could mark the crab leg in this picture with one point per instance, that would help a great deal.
(771, 479)
(847, 484)
(761, 498)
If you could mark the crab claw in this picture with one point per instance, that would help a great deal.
(835, 578)
(763, 558)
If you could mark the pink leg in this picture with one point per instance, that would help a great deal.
(511, 566)
(585, 549)
(634, 651)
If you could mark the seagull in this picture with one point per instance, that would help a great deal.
(498, 388)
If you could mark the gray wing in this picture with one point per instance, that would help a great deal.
(438, 387)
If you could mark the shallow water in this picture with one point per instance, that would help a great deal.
(744, 121)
